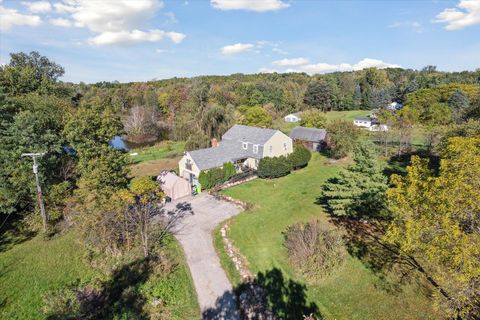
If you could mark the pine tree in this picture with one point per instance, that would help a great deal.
(459, 103)
(359, 190)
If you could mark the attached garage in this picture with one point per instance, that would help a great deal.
(174, 186)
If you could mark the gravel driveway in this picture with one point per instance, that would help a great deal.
(195, 234)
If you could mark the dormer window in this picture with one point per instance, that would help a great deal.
(255, 148)
(245, 145)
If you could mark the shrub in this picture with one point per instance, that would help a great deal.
(211, 178)
(314, 249)
(342, 136)
(273, 167)
(228, 171)
(313, 119)
(300, 157)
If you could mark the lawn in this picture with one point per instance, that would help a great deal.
(34, 267)
(352, 292)
(152, 160)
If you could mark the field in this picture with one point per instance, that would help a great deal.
(286, 127)
(35, 267)
(352, 292)
(152, 160)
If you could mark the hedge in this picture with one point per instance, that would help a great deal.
(214, 177)
(273, 167)
(300, 157)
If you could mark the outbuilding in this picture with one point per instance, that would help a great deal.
(311, 138)
(293, 117)
(174, 186)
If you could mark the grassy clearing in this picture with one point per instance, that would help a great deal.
(35, 267)
(162, 150)
(353, 292)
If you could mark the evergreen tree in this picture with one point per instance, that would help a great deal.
(357, 191)
(459, 103)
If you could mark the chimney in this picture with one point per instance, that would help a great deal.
(215, 143)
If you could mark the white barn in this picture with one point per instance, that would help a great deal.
(293, 117)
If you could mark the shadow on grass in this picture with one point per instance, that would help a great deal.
(397, 164)
(12, 234)
(117, 298)
(268, 296)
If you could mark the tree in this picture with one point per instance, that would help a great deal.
(313, 119)
(405, 119)
(257, 117)
(229, 171)
(29, 72)
(217, 120)
(357, 191)
(341, 138)
(141, 124)
(273, 167)
(437, 222)
(459, 103)
(318, 95)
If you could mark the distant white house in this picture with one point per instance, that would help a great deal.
(378, 127)
(394, 106)
(293, 117)
(365, 122)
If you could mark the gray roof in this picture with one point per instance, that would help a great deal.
(231, 147)
(253, 135)
(363, 118)
(308, 134)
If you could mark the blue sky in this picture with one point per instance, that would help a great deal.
(145, 39)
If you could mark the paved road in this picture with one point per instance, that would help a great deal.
(195, 234)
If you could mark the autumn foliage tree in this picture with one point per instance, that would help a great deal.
(437, 221)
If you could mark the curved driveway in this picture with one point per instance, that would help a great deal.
(194, 232)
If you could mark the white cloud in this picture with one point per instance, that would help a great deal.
(466, 14)
(237, 48)
(251, 5)
(267, 70)
(134, 36)
(279, 51)
(11, 17)
(327, 67)
(38, 6)
(61, 22)
(63, 8)
(171, 17)
(415, 25)
(291, 62)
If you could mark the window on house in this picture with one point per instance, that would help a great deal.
(255, 148)
(285, 146)
(270, 148)
(245, 145)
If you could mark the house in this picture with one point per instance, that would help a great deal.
(311, 138)
(394, 106)
(378, 127)
(241, 145)
(365, 122)
(293, 117)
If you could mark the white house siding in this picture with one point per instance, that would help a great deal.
(291, 118)
(278, 145)
(362, 123)
(183, 171)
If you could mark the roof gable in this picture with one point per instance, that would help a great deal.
(250, 134)
(308, 134)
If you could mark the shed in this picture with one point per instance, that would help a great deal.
(174, 186)
(311, 138)
(293, 117)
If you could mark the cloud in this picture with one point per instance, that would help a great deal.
(171, 17)
(267, 70)
(415, 25)
(327, 67)
(466, 14)
(291, 62)
(250, 5)
(11, 17)
(279, 51)
(61, 22)
(38, 6)
(133, 37)
(237, 48)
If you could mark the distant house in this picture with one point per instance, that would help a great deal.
(394, 106)
(365, 122)
(293, 117)
(313, 139)
(378, 127)
(241, 145)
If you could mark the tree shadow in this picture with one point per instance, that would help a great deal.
(268, 296)
(397, 164)
(117, 298)
(12, 233)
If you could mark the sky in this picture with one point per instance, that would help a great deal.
(140, 40)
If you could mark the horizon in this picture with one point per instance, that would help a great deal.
(150, 40)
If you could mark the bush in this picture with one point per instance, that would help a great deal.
(228, 171)
(300, 157)
(273, 167)
(313, 119)
(211, 178)
(314, 249)
(342, 136)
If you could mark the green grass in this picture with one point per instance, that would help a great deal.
(225, 260)
(32, 268)
(353, 292)
(162, 150)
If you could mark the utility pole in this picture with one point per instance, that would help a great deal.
(39, 189)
